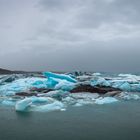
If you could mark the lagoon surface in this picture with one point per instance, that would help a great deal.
(116, 121)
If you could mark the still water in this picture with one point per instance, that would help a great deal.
(117, 121)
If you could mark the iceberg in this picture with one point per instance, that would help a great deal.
(23, 104)
(60, 76)
(8, 102)
(129, 96)
(20, 85)
(105, 100)
(99, 81)
(123, 85)
(130, 77)
(55, 106)
(126, 83)
(57, 91)
(60, 81)
(38, 104)
(58, 84)
(96, 74)
(64, 85)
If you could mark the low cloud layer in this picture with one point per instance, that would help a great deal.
(91, 35)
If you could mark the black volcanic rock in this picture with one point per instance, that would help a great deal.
(93, 89)
(25, 94)
(42, 90)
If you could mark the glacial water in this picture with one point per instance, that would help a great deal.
(116, 121)
(62, 115)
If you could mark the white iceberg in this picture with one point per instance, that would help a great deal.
(34, 104)
(129, 96)
(23, 104)
(48, 107)
(124, 82)
(105, 100)
(8, 102)
(100, 81)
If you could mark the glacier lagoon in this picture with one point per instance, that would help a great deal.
(100, 122)
(53, 106)
(56, 92)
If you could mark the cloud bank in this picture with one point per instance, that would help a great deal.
(91, 35)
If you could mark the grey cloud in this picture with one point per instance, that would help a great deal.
(92, 35)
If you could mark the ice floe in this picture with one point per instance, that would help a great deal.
(105, 100)
(60, 76)
(125, 82)
(129, 96)
(59, 95)
(35, 104)
(100, 81)
(19, 85)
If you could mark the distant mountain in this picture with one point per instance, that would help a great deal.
(4, 71)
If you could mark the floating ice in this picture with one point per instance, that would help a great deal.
(84, 78)
(59, 96)
(85, 95)
(64, 85)
(19, 85)
(105, 100)
(130, 77)
(8, 102)
(60, 76)
(125, 82)
(35, 104)
(129, 96)
(48, 107)
(23, 104)
(99, 81)
(96, 74)
(80, 99)
(59, 81)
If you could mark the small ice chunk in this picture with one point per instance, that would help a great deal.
(69, 101)
(85, 95)
(8, 102)
(105, 100)
(96, 74)
(81, 102)
(65, 85)
(41, 99)
(129, 96)
(122, 85)
(48, 107)
(99, 81)
(30, 104)
(23, 104)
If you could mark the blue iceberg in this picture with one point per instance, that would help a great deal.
(21, 85)
(60, 76)
(127, 82)
(60, 81)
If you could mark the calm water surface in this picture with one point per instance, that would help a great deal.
(118, 121)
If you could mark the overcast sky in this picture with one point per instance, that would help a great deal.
(89, 35)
